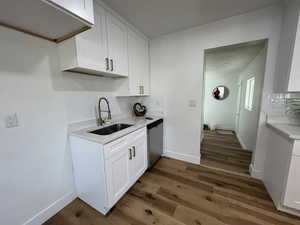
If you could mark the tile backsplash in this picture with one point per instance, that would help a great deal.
(279, 106)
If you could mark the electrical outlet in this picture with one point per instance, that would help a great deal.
(11, 120)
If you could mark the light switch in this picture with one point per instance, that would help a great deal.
(192, 103)
(11, 120)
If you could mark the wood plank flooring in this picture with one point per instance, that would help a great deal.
(224, 151)
(179, 193)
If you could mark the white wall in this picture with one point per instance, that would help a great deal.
(248, 120)
(177, 75)
(35, 163)
(220, 114)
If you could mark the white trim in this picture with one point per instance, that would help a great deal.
(51, 210)
(255, 173)
(202, 136)
(241, 141)
(183, 157)
(288, 210)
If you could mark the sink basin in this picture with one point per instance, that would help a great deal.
(111, 129)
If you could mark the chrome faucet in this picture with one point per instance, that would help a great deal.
(101, 121)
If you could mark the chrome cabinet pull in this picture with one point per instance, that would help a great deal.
(107, 63)
(112, 65)
(133, 151)
(130, 154)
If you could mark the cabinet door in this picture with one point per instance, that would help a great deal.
(294, 80)
(138, 164)
(146, 67)
(117, 172)
(81, 8)
(292, 193)
(135, 48)
(92, 44)
(117, 46)
(138, 57)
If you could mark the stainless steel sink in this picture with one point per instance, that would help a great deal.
(111, 129)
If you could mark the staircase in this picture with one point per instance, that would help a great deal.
(224, 151)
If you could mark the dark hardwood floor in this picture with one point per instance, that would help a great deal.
(224, 151)
(179, 193)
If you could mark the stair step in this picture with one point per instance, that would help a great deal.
(234, 160)
(225, 147)
(227, 161)
(236, 154)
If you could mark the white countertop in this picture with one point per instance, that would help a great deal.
(291, 131)
(136, 122)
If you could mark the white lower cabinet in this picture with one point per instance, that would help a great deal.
(117, 172)
(282, 172)
(138, 161)
(104, 173)
(292, 193)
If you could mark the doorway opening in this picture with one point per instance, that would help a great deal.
(233, 84)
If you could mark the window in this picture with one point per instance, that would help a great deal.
(249, 94)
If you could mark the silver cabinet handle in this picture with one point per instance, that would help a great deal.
(130, 154)
(112, 65)
(142, 89)
(133, 151)
(107, 63)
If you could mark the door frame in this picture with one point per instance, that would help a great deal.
(238, 106)
(261, 97)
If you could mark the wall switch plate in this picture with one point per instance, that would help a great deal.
(11, 120)
(192, 103)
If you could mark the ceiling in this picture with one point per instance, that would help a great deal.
(158, 17)
(231, 60)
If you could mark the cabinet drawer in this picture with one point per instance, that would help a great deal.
(292, 193)
(136, 134)
(115, 147)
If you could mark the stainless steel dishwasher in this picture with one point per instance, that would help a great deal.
(155, 141)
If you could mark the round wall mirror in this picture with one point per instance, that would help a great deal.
(220, 92)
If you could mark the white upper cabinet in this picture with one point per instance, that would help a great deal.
(80, 8)
(92, 45)
(117, 45)
(138, 60)
(288, 67)
(111, 48)
(53, 20)
(101, 50)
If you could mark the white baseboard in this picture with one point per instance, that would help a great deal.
(241, 141)
(51, 210)
(187, 158)
(255, 173)
(288, 210)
